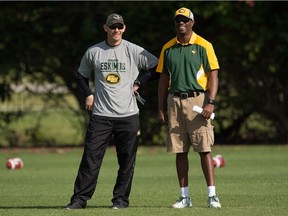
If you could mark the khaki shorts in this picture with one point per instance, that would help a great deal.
(187, 127)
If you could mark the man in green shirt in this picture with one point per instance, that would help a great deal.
(189, 76)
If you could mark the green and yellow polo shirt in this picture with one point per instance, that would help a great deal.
(188, 65)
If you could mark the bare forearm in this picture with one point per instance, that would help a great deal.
(213, 84)
(162, 98)
(163, 91)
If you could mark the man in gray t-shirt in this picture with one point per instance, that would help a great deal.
(115, 65)
(115, 70)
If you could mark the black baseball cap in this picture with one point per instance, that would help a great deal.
(114, 18)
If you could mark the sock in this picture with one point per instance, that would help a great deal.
(211, 191)
(184, 192)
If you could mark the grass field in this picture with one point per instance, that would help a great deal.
(253, 182)
(56, 125)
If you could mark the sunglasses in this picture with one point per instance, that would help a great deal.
(117, 25)
(182, 19)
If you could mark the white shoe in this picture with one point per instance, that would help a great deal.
(183, 202)
(213, 202)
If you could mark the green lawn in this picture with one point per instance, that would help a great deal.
(253, 182)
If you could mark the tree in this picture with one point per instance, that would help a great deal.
(43, 42)
(253, 54)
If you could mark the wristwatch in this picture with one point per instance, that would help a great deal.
(137, 82)
(211, 101)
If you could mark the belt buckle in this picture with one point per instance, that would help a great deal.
(184, 95)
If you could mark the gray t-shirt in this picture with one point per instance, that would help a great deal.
(115, 69)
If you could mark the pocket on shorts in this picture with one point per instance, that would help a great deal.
(203, 138)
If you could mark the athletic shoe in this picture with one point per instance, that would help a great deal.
(213, 202)
(75, 205)
(183, 202)
(118, 206)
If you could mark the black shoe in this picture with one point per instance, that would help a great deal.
(75, 205)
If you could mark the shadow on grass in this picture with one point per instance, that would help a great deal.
(48, 207)
(87, 207)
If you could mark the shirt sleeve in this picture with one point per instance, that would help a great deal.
(161, 62)
(86, 67)
(147, 60)
(212, 58)
(160, 65)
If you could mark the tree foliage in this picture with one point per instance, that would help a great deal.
(43, 42)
